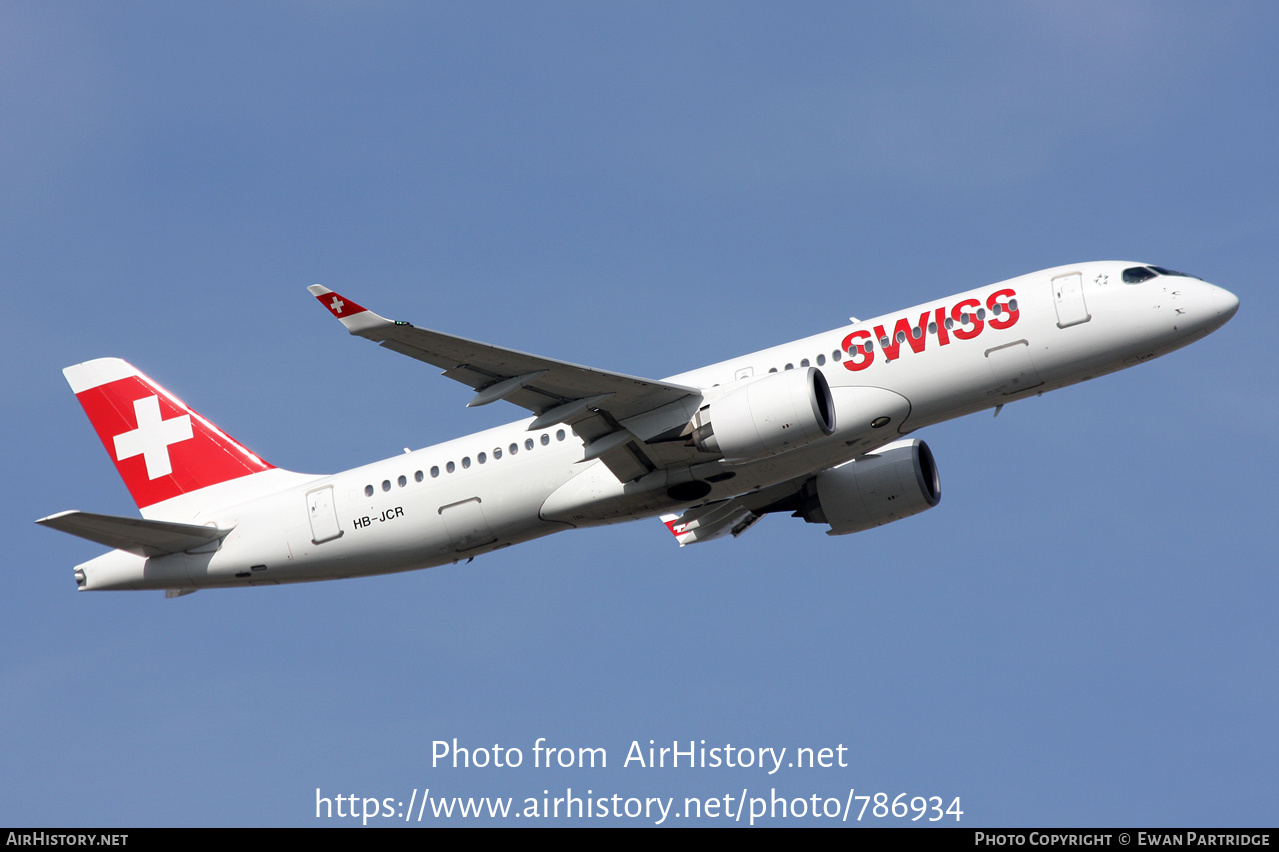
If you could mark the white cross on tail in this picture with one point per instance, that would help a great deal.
(153, 436)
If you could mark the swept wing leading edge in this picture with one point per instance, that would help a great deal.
(597, 403)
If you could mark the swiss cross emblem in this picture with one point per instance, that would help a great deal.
(337, 304)
(153, 436)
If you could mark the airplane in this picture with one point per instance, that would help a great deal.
(816, 428)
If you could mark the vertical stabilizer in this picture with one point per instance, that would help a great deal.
(162, 449)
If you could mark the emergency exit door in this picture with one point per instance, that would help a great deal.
(324, 515)
(1068, 296)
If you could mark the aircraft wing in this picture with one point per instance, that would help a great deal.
(615, 413)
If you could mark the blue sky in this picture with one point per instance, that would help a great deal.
(1082, 633)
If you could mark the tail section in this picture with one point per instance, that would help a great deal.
(161, 448)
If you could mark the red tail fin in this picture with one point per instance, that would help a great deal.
(161, 448)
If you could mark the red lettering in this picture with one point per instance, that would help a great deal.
(968, 306)
(1007, 315)
(903, 327)
(917, 343)
(858, 358)
(904, 332)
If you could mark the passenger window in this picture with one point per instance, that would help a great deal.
(368, 491)
(821, 359)
(466, 462)
(804, 363)
(418, 477)
(435, 471)
(514, 448)
(386, 485)
(546, 439)
(497, 453)
(402, 481)
(450, 467)
(528, 443)
(559, 435)
(482, 457)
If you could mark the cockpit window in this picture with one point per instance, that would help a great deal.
(1137, 274)
(1163, 271)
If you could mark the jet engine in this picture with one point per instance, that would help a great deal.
(766, 416)
(894, 482)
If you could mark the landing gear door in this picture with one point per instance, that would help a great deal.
(1068, 296)
(323, 514)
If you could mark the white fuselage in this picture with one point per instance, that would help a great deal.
(492, 489)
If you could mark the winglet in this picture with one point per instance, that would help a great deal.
(671, 522)
(707, 523)
(355, 317)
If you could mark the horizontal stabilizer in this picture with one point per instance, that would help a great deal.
(134, 535)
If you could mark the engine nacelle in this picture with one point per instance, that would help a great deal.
(767, 416)
(894, 482)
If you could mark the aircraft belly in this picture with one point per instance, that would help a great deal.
(595, 496)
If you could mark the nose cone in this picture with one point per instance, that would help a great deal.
(1227, 304)
(1215, 306)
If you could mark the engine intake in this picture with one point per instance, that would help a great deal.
(767, 416)
(894, 482)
